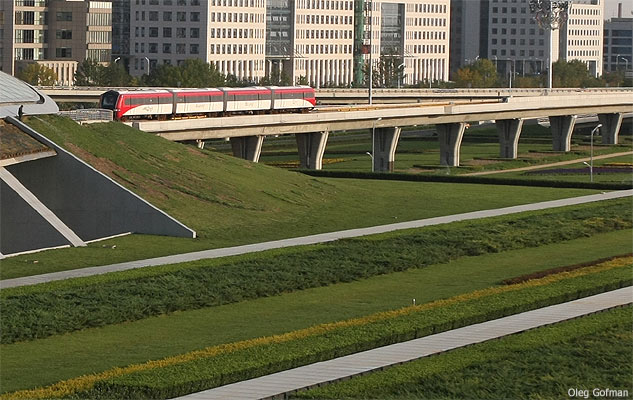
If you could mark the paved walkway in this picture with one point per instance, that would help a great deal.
(306, 240)
(359, 363)
(556, 164)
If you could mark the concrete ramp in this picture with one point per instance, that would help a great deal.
(61, 200)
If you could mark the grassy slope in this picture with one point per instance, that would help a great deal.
(231, 201)
(152, 338)
(585, 353)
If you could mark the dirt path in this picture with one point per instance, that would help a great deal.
(556, 164)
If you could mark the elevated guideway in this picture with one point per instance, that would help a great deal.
(451, 120)
(359, 96)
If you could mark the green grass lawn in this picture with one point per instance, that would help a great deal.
(591, 352)
(229, 201)
(99, 349)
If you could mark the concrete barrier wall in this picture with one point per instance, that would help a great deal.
(87, 201)
(21, 227)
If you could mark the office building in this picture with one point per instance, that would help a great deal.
(227, 33)
(54, 33)
(304, 40)
(509, 36)
(618, 44)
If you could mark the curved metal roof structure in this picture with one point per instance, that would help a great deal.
(16, 93)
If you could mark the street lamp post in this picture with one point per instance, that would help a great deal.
(591, 153)
(550, 15)
(147, 59)
(373, 143)
(117, 59)
(626, 65)
(400, 70)
(371, 50)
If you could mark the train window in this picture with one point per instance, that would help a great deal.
(164, 100)
(216, 98)
(180, 99)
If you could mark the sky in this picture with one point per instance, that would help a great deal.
(611, 8)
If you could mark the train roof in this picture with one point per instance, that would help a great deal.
(192, 90)
(141, 91)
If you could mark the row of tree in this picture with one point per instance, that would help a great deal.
(483, 74)
(388, 73)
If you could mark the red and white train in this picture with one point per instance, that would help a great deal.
(182, 103)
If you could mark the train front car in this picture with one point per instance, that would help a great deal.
(109, 101)
(139, 104)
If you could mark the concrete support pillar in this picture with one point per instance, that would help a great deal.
(610, 127)
(384, 148)
(247, 147)
(562, 128)
(311, 148)
(450, 142)
(509, 131)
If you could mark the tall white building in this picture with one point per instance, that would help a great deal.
(301, 39)
(227, 33)
(581, 38)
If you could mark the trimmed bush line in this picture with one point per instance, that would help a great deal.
(203, 373)
(465, 179)
(587, 352)
(227, 363)
(541, 274)
(48, 309)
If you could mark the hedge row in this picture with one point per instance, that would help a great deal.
(549, 355)
(482, 180)
(245, 363)
(37, 312)
(230, 362)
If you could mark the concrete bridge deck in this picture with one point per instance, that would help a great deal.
(451, 119)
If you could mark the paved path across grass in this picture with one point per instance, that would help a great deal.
(359, 363)
(556, 164)
(306, 240)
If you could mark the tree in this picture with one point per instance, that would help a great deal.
(191, 73)
(37, 74)
(90, 73)
(572, 74)
(116, 75)
(480, 74)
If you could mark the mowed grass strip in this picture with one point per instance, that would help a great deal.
(585, 353)
(215, 366)
(230, 201)
(48, 309)
(101, 349)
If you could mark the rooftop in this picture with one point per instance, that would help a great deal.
(14, 91)
(17, 146)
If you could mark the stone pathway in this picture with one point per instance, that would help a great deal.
(306, 240)
(276, 385)
(556, 164)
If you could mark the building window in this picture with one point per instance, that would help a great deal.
(64, 34)
(64, 16)
(194, 49)
(166, 32)
(63, 52)
(167, 16)
(166, 48)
